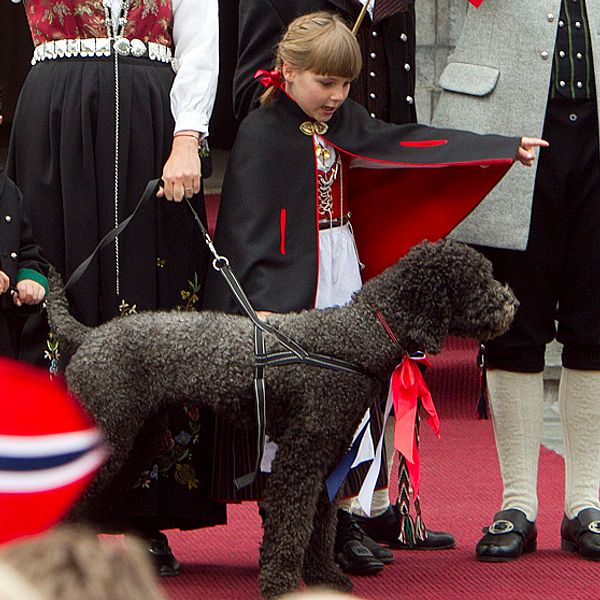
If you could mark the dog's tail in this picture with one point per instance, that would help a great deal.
(69, 330)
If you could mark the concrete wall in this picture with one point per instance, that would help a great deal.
(439, 23)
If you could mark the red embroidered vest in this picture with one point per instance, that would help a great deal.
(148, 20)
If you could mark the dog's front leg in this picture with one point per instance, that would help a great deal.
(292, 491)
(320, 567)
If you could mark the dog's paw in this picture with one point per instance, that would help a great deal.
(277, 585)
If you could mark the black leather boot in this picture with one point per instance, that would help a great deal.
(385, 529)
(582, 534)
(354, 551)
(507, 538)
(162, 556)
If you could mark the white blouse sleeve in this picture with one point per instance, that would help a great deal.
(196, 40)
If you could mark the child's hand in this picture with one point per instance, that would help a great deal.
(4, 282)
(526, 153)
(28, 292)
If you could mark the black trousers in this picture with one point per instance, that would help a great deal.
(557, 278)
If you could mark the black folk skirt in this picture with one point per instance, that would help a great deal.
(62, 156)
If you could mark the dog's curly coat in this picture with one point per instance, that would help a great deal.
(128, 369)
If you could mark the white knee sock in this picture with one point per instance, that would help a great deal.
(381, 498)
(579, 403)
(517, 406)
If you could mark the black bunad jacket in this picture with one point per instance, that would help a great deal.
(20, 258)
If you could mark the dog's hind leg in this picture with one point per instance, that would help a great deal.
(320, 567)
(292, 491)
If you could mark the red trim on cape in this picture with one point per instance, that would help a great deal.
(423, 143)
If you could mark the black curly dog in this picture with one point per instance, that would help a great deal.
(438, 289)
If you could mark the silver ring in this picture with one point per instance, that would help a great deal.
(223, 259)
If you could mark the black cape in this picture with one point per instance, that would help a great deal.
(412, 182)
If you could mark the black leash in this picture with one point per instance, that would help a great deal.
(149, 192)
(294, 353)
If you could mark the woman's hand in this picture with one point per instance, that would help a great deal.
(28, 292)
(4, 282)
(181, 173)
(526, 152)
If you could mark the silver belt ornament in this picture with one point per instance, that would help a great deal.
(101, 47)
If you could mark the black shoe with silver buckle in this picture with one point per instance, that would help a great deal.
(582, 534)
(507, 538)
(162, 556)
(385, 529)
(354, 551)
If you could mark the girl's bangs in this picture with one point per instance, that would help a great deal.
(337, 55)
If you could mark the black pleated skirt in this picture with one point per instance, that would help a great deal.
(62, 156)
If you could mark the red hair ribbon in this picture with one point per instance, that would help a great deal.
(269, 78)
(407, 387)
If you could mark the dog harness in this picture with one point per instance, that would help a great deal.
(292, 352)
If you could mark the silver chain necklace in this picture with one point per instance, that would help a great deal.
(115, 28)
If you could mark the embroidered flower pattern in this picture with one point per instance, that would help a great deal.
(125, 309)
(52, 353)
(190, 296)
(148, 20)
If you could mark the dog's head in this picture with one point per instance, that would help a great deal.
(439, 289)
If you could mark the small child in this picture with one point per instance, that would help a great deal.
(23, 268)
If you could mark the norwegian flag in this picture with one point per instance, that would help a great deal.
(49, 451)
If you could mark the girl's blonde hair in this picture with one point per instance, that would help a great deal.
(320, 42)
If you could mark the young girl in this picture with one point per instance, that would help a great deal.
(310, 159)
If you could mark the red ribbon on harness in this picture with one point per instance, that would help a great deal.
(408, 387)
(269, 78)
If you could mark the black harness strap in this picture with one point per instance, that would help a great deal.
(295, 354)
